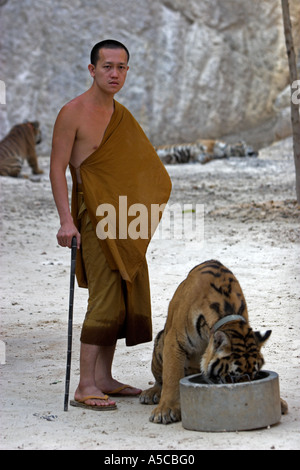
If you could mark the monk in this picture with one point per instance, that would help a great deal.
(112, 163)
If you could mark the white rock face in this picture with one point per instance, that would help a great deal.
(198, 68)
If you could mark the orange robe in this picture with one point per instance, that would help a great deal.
(125, 164)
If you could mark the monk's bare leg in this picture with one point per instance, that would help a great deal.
(87, 385)
(104, 379)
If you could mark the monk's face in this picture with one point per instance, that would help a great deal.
(110, 71)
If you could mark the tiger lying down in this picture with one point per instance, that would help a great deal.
(19, 145)
(203, 151)
(206, 331)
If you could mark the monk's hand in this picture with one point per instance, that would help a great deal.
(66, 233)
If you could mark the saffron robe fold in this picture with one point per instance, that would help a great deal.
(125, 164)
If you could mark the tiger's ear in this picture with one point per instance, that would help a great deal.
(220, 340)
(261, 339)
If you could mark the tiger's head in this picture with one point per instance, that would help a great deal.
(233, 353)
(241, 149)
(35, 127)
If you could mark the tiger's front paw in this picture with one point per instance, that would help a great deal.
(284, 407)
(151, 396)
(164, 414)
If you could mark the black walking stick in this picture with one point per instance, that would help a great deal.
(70, 324)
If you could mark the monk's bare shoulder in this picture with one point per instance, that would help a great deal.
(65, 128)
(71, 110)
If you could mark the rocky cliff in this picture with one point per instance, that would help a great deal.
(198, 68)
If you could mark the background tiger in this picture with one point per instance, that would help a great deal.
(206, 330)
(19, 145)
(203, 151)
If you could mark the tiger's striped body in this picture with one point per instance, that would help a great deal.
(202, 151)
(19, 145)
(194, 341)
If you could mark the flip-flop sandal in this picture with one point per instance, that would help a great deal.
(81, 404)
(116, 392)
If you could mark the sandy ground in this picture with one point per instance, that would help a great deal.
(251, 224)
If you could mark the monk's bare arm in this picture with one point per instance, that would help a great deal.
(64, 135)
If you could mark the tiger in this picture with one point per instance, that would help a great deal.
(203, 151)
(207, 331)
(19, 145)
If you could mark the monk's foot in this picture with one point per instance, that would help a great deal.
(93, 396)
(115, 388)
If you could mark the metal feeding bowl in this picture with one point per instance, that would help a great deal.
(230, 406)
